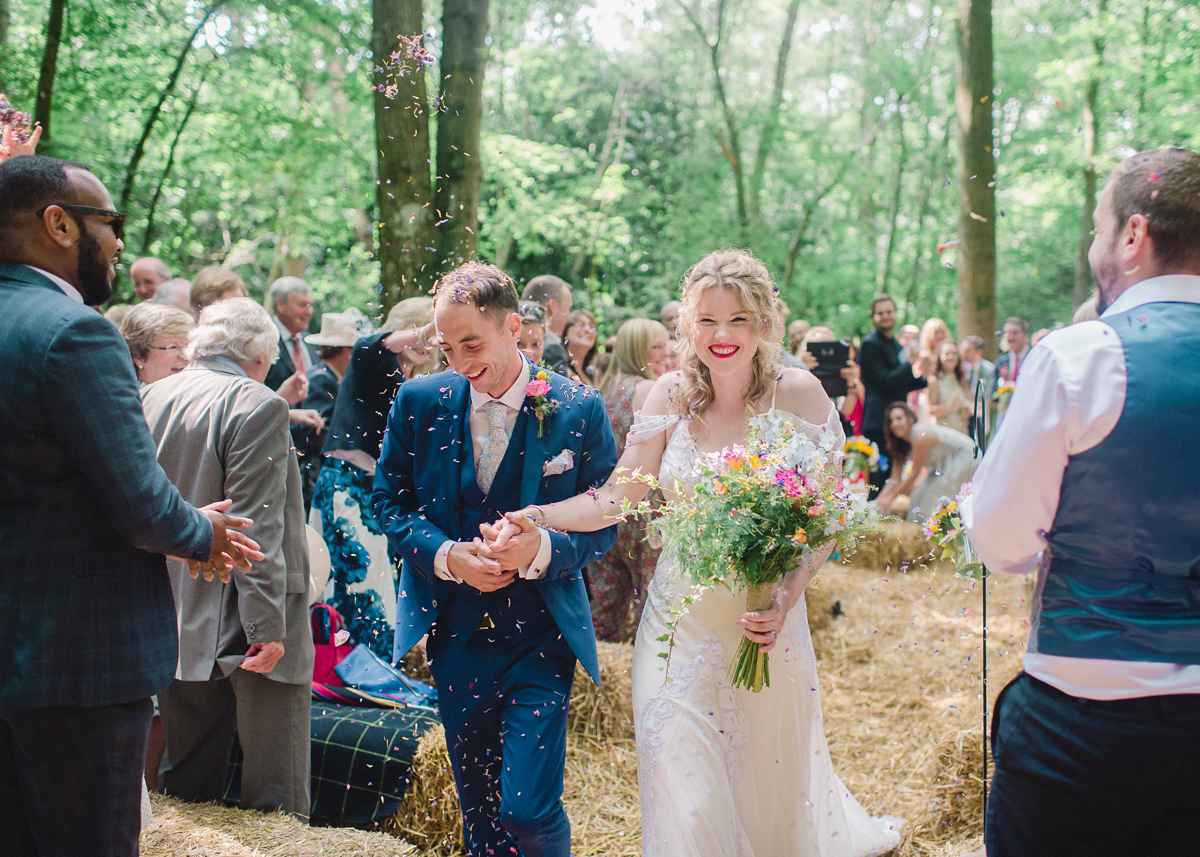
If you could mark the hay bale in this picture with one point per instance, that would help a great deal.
(956, 802)
(601, 795)
(429, 816)
(213, 830)
(900, 545)
(604, 711)
(415, 664)
(819, 601)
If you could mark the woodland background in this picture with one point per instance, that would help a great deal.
(612, 142)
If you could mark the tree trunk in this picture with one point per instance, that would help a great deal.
(894, 206)
(140, 148)
(45, 90)
(456, 197)
(728, 139)
(404, 192)
(1091, 133)
(148, 235)
(5, 6)
(766, 141)
(976, 174)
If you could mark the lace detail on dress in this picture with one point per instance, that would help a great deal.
(645, 426)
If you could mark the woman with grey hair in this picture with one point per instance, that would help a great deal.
(157, 337)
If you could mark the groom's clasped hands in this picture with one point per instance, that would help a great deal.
(492, 560)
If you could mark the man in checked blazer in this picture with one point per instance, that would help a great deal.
(86, 515)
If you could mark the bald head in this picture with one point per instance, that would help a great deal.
(147, 273)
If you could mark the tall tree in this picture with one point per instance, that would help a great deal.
(45, 90)
(1091, 132)
(976, 173)
(460, 173)
(404, 191)
(5, 7)
(770, 131)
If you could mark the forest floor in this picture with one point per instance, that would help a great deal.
(901, 672)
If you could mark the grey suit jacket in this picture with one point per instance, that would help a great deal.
(85, 512)
(221, 434)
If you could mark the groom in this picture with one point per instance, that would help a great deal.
(461, 449)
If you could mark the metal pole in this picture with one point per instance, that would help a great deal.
(980, 438)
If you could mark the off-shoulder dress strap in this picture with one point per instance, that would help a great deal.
(646, 426)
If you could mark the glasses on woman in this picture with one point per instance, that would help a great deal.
(170, 349)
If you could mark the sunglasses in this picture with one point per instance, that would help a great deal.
(117, 222)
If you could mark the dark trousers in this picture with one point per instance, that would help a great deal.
(1088, 777)
(271, 719)
(71, 779)
(504, 706)
(877, 479)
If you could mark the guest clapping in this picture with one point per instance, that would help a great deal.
(946, 395)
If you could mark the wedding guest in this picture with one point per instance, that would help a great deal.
(887, 377)
(176, 293)
(362, 583)
(215, 283)
(849, 406)
(796, 331)
(147, 274)
(117, 312)
(1086, 311)
(87, 517)
(939, 461)
(618, 581)
(533, 331)
(291, 300)
(579, 338)
(553, 293)
(949, 402)
(245, 648)
(1097, 740)
(670, 316)
(980, 373)
(335, 342)
(907, 337)
(157, 338)
(1016, 341)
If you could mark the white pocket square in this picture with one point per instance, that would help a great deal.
(560, 463)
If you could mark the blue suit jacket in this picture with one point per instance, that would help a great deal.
(85, 511)
(416, 497)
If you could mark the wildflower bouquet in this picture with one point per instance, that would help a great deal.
(861, 458)
(758, 511)
(945, 529)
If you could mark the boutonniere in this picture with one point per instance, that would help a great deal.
(542, 407)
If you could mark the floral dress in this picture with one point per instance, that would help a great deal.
(618, 581)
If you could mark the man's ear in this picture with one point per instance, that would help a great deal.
(1135, 241)
(59, 227)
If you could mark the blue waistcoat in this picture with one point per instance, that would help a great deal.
(1123, 581)
(517, 608)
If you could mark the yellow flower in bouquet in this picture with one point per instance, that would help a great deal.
(861, 458)
(946, 530)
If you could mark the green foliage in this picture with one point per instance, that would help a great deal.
(603, 143)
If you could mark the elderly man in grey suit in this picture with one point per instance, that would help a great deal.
(85, 517)
(245, 649)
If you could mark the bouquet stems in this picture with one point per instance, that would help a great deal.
(751, 666)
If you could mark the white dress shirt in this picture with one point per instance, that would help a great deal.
(67, 289)
(289, 340)
(480, 427)
(1070, 398)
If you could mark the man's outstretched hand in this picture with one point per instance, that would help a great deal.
(230, 548)
(513, 541)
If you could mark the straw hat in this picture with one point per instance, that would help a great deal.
(342, 328)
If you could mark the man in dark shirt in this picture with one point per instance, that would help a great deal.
(886, 377)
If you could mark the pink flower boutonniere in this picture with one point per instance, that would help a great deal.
(542, 407)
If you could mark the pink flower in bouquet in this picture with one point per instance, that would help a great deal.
(537, 387)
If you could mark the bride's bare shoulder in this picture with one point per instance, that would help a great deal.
(664, 395)
(799, 392)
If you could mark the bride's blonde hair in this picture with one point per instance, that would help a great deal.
(739, 272)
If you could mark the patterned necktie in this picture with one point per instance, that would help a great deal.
(297, 353)
(496, 446)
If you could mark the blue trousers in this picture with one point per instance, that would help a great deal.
(1090, 777)
(504, 706)
(71, 779)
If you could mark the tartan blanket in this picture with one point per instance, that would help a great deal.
(361, 759)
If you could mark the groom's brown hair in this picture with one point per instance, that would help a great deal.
(486, 286)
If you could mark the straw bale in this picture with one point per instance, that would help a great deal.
(415, 664)
(601, 796)
(819, 600)
(604, 711)
(901, 544)
(212, 830)
(429, 816)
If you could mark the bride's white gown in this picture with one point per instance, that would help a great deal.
(724, 771)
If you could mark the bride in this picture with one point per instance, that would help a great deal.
(724, 771)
